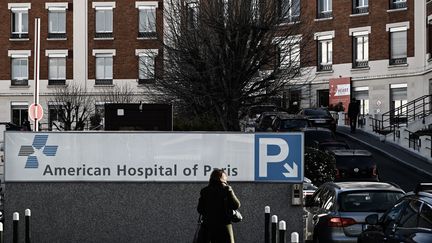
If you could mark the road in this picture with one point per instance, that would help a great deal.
(390, 170)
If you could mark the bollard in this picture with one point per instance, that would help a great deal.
(282, 230)
(15, 227)
(1, 232)
(274, 223)
(295, 237)
(27, 225)
(267, 224)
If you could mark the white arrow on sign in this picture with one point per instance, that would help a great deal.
(292, 172)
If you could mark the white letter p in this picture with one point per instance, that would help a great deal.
(264, 158)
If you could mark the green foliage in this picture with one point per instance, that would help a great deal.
(320, 167)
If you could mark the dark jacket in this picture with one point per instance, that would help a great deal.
(353, 109)
(214, 202)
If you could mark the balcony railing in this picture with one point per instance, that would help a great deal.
(56, 35)
(324, 15)
(103, 82)
(56, 82)
(361, 64)
(19, 36)
(325, 67)
(397, 61)
(103, 35)
(361, 10)
(147, 34)
(19, 82)
(397, 5)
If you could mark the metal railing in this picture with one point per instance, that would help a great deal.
(361, 10)
(325, 15)
(414, 140)
(325, 67)
(392, 120)
(361, 64)
(398, 4)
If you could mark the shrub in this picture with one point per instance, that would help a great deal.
(320, 167)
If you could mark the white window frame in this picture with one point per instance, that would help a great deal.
(146, 56)
(104, 6)
(325, 6)
(22, 76)
(364, 44)
(19, 55)
(326, 57)
(362, 4)
(288, 15)
(147, 27)
(290, 52)
(21, 25)
(59, 12)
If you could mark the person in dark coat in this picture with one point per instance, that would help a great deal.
(215, 201)
(353, 112)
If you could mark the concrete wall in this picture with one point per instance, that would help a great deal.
(137, 212)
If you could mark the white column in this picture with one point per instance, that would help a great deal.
(80, 42)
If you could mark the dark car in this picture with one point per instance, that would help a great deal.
(265, 120)
(355, 164)
(319, 117)
(248, 120)
(288, 123)
(313, 136)
(336, 212)
(409, 220)
(329, 146)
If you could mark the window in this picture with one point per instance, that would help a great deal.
(361, 51)
(360, 6)
(410, 215)
(19, 23)
(146, 65)
(398, 96)
(56, 23)
(56, 70)
(55, 117)
(394, 214)
(397, 4)
(104, 22)
(192, 15)
(324, 9)
(19, 112)
(362, 94)
(289, 55)
(398, 46)
(290, 10)
(425, 218)
(147, 21)
(104, 69)
(19, 71)
(325, 55)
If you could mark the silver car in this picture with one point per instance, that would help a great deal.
(336, 212)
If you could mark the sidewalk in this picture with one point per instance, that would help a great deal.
(393, 151)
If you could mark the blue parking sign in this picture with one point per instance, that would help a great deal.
(279, 157)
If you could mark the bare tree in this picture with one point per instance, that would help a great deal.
(72, 106)
(221, 56)
(119, 94)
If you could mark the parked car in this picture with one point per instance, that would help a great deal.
(265, 120)
(319, 117)
(409, 220)
(288, 123)
(355, 164)
(248, 120)
(329, 146)
(336, 212)
(313, 136)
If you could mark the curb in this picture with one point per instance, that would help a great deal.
(385, 153)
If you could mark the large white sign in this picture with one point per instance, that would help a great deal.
(152, 156)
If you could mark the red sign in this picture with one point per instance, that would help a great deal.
(35, 112)
(339, 93)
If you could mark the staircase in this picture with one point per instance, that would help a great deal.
(402, 123)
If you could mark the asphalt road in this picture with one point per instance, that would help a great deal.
(390, 170)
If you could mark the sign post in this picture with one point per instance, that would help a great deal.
(36, 72)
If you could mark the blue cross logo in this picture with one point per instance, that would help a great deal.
(39, 143)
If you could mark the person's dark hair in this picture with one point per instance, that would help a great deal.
(215, 176)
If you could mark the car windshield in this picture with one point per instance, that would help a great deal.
(317, 112)
(368, 201)
(294, 123)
